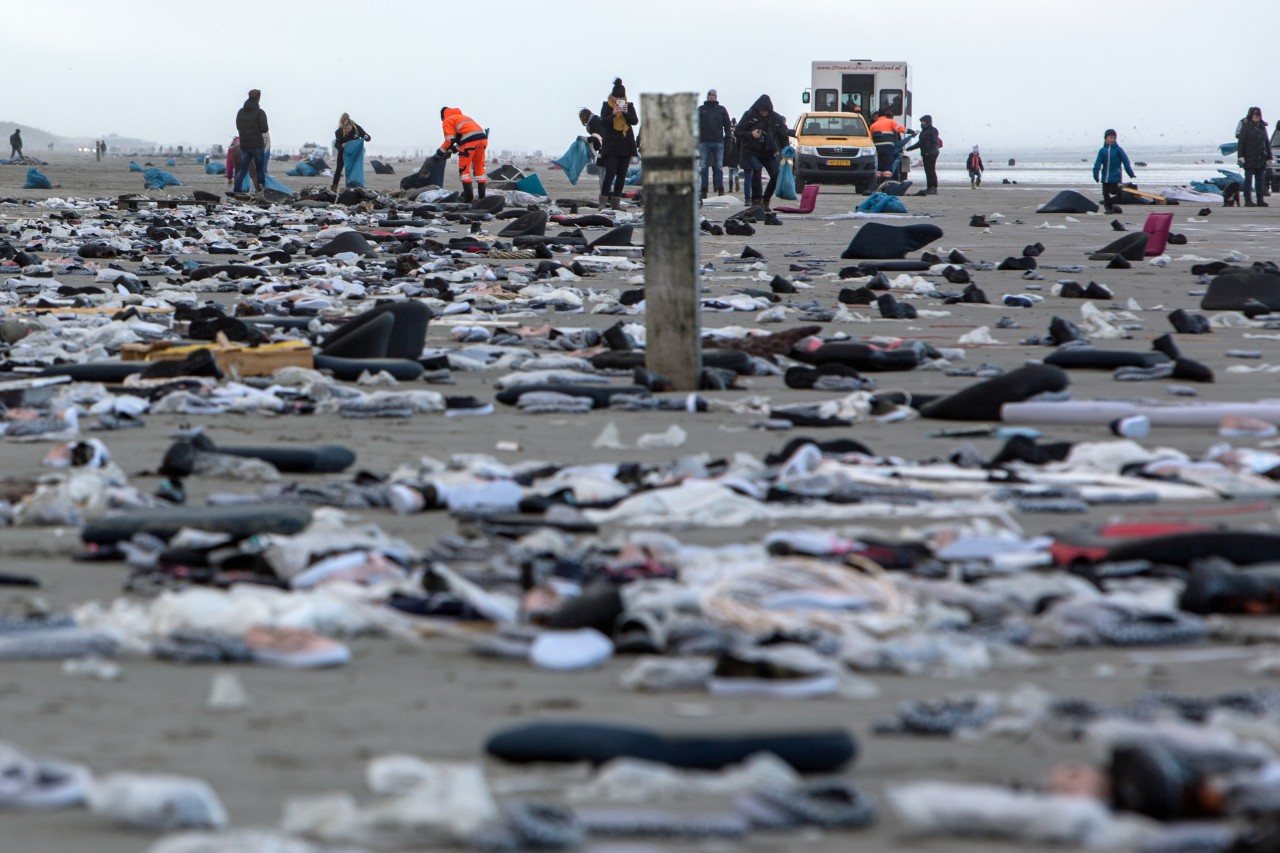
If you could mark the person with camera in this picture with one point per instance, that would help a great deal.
(617, 144)
(762, 134)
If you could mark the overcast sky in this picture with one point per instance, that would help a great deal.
(1006, 74)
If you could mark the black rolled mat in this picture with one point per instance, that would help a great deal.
(239, 521)
(108, 372)
(1102, 359)
(325, 459)
(349, 369)
(982, 401)
(1244, 548)
(823, 751)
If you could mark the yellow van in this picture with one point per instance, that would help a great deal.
(834, 147)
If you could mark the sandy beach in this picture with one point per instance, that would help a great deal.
(310, 732)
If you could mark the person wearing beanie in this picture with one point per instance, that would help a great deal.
(251, 125)
(618, 143)
(465, 135)
(1106, 170)
(974, 165)
(595, 138)
(929, 144)
(713, 130)
(1253, 153)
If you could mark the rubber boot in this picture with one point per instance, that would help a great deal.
(466, 192)
(480, 188)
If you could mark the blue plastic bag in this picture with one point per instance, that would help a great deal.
(787, 176)
(635, 176)
(575, 160)
(353, 162)
(171, 162)
(272, 184)
(882, 203)
(302, 170)
(531, 184)
(212, 168)
(134, 167)
(157, 179)
(36, 180)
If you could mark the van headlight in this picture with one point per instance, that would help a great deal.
(808, 149)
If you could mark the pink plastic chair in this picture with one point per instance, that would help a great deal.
(808, 198)
(1157, 228)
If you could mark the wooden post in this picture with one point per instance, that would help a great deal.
(672, 329)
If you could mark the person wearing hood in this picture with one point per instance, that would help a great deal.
(251, 124)
(761, 134)
(1253, 152)
(974, 166)
(618, 144)
(713, 130)
(929, 144)
(1106, 169)
(465, 135)
(594, 137)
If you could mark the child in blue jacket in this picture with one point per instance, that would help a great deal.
(1106, 168)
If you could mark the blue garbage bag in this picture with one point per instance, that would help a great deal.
(214, 168)
(201, 160)
(36, 180)
(882, 203)
(272, 184)
(302, 170)
(134, 167)
(531, 184)
(575, 160)
(157, 179)
(353, 162)
(635, 176)
(786, 175)
(1205, 187)
(171, 162)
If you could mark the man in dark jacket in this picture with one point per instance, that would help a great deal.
(929, 144)
(713, 129)
(15, 143)
(251, 125)
(1253, 152)
(762, 134)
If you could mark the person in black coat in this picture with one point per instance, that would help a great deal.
(347, 131)
(761, 134)
(1253, 152)
(595, 138)
(713, 127)
(618, 143)
(929, 144)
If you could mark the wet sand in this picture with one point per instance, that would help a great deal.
(310, 732)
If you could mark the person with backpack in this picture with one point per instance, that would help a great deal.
(930, 144)
(974, 165)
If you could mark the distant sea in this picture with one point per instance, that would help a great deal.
(1046, 167)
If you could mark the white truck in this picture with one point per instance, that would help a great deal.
(862, 86)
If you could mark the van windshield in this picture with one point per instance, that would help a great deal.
(847, 125)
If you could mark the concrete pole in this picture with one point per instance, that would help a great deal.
(672, 330)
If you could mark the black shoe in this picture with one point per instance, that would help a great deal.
(1097, 291)
(956, 275)
(892, 309)
(1189, 324)
(856, 296)
(781, 285)
(748, 252)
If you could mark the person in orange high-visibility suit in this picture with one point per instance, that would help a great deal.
(463, 134)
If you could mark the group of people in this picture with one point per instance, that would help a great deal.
(753, 144)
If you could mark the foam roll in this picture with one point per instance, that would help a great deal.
(326, 459)
(808, 752)
(237, 521)
(1102, 359)
(108, 372)
(1097, 413)
(349, 369)
(600, 394)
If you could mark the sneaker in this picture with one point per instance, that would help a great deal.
(36, 785)
(787, 672)
(295, 648)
